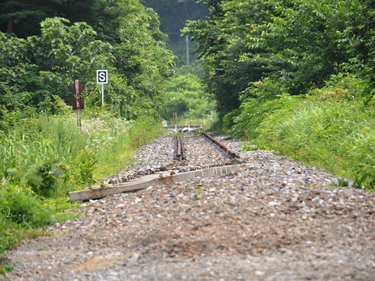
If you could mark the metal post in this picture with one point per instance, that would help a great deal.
(102, 94)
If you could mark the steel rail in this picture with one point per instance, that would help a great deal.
(230, 153)
(179, 151)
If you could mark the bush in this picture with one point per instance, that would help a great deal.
(254, 111)
(331, 128)
(10, 233)
(23, 208)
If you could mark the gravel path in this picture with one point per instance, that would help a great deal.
(275, 220)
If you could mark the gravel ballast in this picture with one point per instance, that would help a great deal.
(274, 220)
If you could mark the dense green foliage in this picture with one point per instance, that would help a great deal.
(186, 100)
(36, 68)
(330, 127)
(33, 69)
(292, 45)
(22, 17)
(46, 158)
(43, 154)
(295, 76)
(186, 96)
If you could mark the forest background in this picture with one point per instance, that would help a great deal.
(293, 76)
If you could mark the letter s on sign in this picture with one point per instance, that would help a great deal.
(102, 76)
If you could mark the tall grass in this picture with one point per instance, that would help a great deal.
(44, 158)
(45, 151)
(327, 129)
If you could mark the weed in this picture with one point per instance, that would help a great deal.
(199, 191)
(144, 131)
(340, 182)
(5, 267)
(42, 249)
(23, 208)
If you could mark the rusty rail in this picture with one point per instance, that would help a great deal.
(179, 151)
(230, 153)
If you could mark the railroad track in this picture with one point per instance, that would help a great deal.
(167, 156)
(180, 153)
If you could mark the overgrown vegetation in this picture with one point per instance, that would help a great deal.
(35, 69)
(186, 97)
(294, 76)
(330, 127)
(45, 158)
(44, 47)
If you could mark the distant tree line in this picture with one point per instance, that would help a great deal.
(22, 17)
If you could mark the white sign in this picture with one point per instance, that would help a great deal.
(102, 76)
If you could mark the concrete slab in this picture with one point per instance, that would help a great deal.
(97, 192)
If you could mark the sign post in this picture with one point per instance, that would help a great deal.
(78, 104)
(102, 78)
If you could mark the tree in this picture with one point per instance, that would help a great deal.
(38, 67)
(34, 69)
(221, 44)
(292, 44)
(358, 41)
(23, 17)
(142, 58)
(186, 96)
(303, 39)
(19, 85)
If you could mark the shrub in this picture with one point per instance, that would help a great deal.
(332, 129)
(23, 208)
